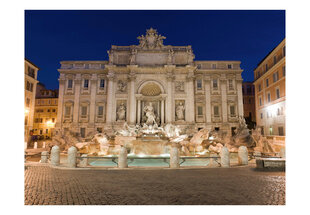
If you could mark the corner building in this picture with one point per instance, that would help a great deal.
(270, 92)
(102, 95)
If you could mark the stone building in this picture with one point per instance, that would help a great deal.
(147, 83)
(45, 114)
(270, 92)
(31, 73)
(248, 92)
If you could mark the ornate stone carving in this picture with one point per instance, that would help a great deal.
(133, 57)
(179, 111)
(121, 112)
(179, 86)
(121, 86)
(151, 40)
(149, 113)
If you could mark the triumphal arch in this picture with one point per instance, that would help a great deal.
(149, 83)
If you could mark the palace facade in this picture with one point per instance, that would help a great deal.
(149, 78)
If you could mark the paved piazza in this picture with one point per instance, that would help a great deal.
(211, 186)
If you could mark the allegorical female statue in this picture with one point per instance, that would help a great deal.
(149, 113)
(180, 111)
(121, 112)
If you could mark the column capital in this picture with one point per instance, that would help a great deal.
(170, 76)
(190, 77)
(111, 76)
(132, 76)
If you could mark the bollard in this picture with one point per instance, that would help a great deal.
(26, 145)
(174, 156)
(225, 157)
(243, 155)
(122, 158)
(84, 161)
(44, 157)
(55, 156)
(35, 145)
(72, 152)
(44, 145)
(282, 152)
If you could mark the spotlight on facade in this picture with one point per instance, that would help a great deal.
(26, 111)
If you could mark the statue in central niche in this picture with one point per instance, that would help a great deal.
(149, 113)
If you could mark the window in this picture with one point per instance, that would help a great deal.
(28, 86)
(48, 110)
(54, 110)
(249, 100)
(248, 90)
(41, 132)
(53, 120)
(216, 111)
(84, 110)
(49, 101)
(275, 59)
(26, 120)
(67, 111)
(30, 72)
(200, 112)
(99, 130)
(268, 97)
(229, 66)
(278, 93)
(281, 131)
(217, 128)
(46, 131)
(27, 102)
(283, 70)
(232, 111)
(70, 81)
(31, 87)
(275, 76)
(270, 130)
(261, 115)
(260, 101)
(266, 67)
(230, 84)
(278, 112)
(233, 131)
(100, 111)
(82, 132)
(86, 83)
(283, 49)
(215, 83)
(199, 84)
(101, 83)
(258, 74)
(213, 66)
(267, 82)
(259, 87)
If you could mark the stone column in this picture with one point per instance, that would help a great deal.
(139, 111)
(44, 157)
(62, 84)
(169, 111)
(225, 157)
(190, 100)
(224, 98)
(110, 97)
(92, 106)
(208, 99)
(282, 152)
(132, 99)
(72, 152)
(162, 111)
(243, 155)
(122, 158)
(174, 156)
(77, 92)
(55, 156)
(240, 98)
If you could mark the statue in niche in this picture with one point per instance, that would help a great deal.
(121, 112)
(170, 56)
(180, 111)
(190, 56)
(121, 86)
(133, 57)
(179, 86)
(110, 53)
(149, 113)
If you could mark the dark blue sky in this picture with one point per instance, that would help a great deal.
(53, 36)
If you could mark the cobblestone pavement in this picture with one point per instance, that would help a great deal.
(211, 186)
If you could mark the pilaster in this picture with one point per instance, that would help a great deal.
(223, 82)
(77, 93)
(110, 93)
(207, 82)
(92, 111)
(62, 84)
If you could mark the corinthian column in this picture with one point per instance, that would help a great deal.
(240, 98)
(224, 98)
(132, 99)
(62, 83)
(93, 85)
(190, 100)
(208, 98)
(169, 103)
(110, 97)
(77, 92)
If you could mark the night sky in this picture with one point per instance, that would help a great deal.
(54, 36)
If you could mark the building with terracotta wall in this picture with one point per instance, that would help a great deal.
(45, 115)
(248, 92)
(269, 84)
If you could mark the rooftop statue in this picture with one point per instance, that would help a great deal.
(151, 40)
